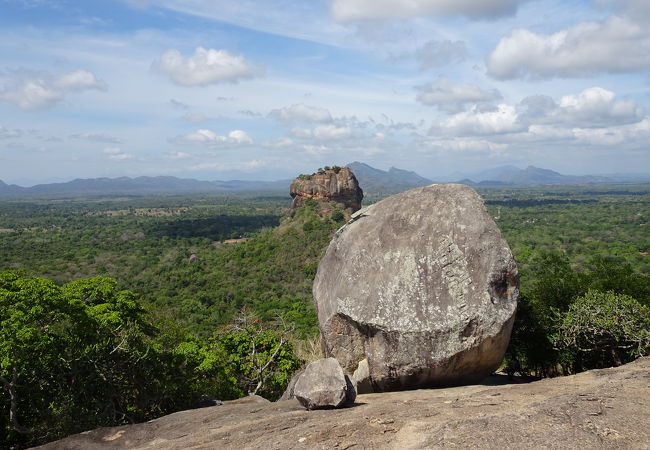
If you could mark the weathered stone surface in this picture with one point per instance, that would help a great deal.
(417, 290)
(337, 186)
(323, 385)
(600, 409)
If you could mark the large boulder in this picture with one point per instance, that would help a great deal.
(417, 290)
(338, 186)
(324, 385)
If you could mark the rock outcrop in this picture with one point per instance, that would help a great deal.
(323, 385)
(417, 290)
(599, 409)
(337, 185)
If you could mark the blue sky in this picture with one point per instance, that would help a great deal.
(261, 89)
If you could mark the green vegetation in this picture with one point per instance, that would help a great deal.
(84, 350)
(573, 244)
(84, 355)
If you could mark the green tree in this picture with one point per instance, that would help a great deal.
(604, 329)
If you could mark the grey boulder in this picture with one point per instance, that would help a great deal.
(417, 290)
(324, 385)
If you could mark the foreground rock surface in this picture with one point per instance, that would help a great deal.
(323, 385)
(417, 290)
(331, 186)
(600, 409)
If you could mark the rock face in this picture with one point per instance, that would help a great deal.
(418, 290)
(323, 385)
(337, 185)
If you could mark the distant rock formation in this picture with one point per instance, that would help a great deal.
(338, 185)
(417, 290)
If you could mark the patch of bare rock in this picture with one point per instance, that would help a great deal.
(599, 409)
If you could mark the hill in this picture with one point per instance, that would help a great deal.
(607, 408)
(394, 180)
(530, 176)
(141, 186)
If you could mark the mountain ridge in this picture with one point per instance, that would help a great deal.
(371, 180)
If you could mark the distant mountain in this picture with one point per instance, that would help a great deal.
(142, 186)
(392, 181)
(530, 176)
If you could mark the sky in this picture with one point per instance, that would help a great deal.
(268, 89)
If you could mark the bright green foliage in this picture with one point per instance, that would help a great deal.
(552, 290)
(603, 329)
(85, 355)
(261, 357)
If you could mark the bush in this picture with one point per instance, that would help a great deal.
(603, 329)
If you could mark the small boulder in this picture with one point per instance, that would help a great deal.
(324, 385)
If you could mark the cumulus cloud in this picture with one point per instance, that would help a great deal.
(209, 137)
(360, 10)
(37, 90)
(619, 44)
(325, 132)
(503, 119)
(453, 97)
(636, 134)
(116, 154)
(79, 80)
(463, 145)
(593, 107)
(301, 113)
(204, 67)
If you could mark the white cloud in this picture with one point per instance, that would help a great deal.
(209, 137)
(593, 107)
(637, 134)
(464, 145)
(324, 133)
(279, 143)
(79, 80)
(301, 113)
(38, 90)
(316, 149)
(503, 119)
(452, 97)
(195, 117)
(116, 154)
(204, 67)
(619, 44)
(32, 94)
(359, 10)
